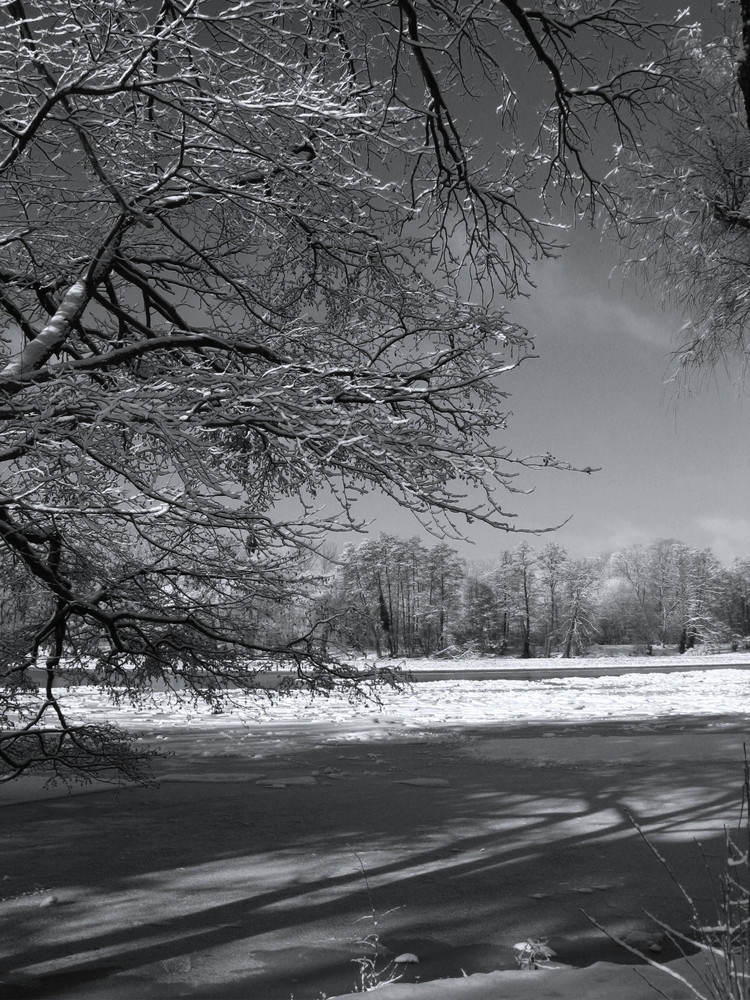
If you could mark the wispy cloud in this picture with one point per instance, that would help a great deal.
(562, 292)
(623, 320)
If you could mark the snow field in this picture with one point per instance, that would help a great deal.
(445, 703)
(640, 695)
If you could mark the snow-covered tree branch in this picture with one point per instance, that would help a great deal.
(684, 185)
(250, 260)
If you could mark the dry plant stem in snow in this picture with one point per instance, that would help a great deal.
(371, 973)
(724, 972)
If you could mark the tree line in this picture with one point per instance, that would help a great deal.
(399, 597)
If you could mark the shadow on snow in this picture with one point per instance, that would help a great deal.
(222, 889)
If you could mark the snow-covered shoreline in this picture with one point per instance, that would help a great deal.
(642, 694)
(688, 660)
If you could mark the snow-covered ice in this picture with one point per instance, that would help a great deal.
(455, 702)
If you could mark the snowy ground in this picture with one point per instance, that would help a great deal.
(602, 981)
(717, 690)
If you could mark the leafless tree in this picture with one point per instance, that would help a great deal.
(248, 254)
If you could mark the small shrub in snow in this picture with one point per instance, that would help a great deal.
(533, 953)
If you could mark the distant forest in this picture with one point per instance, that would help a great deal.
(399, 597)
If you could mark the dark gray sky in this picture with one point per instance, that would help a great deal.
(673, 465)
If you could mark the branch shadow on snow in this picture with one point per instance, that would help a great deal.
(222, 889)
